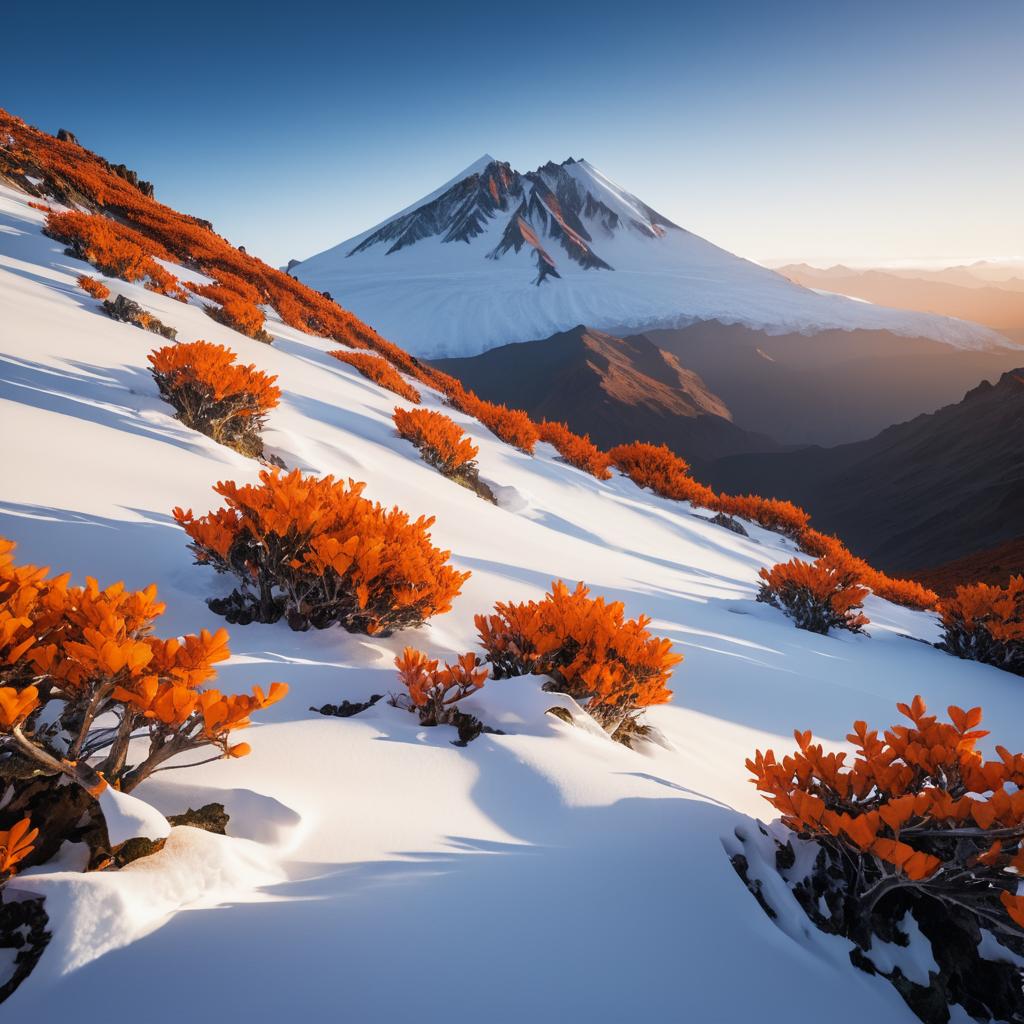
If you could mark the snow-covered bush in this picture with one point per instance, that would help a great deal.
(380, 371)
(434, 691)
(817, 596)
(576, 449)
(316, 552)
(658, 468)
(97, 289)
(588, 649)
(920, 824)
(214, 394)
(80, 675)
(985, 623)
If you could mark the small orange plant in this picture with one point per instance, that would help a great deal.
(97, 289)
(316, 552)
(214, 394)
(380, 371)
(432, 690)
(577, 450)
(984, 622)
(662, 471)
(439, 439)
(16, 843)
(771, 513)
(919, 823)
(817, 596)
(237, 306)
(588, 650)
(74, 657)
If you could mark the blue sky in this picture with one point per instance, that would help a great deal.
(832, 130)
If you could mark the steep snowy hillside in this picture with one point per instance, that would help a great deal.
(497, 256)
(373, 871)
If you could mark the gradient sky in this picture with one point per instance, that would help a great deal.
(857, 131)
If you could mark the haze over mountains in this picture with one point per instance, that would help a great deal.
(985, 292)
(923, 492)
(496, 256)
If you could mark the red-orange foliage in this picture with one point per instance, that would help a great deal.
(317, 552)
(588, 650)
(434, 690)
(577, 450)
(114, 248)
(439, 439)
(236, 306)
(97, 289)
(513, 426)
(985, 623)
(74, 657)
(818, 596)
(918, 816)
(213, 394)
(380, 371)
(41, 206)
(771, 513)
(662, 471)
(16, 843)
(908, 593)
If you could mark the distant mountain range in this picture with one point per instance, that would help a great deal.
(920, 493)
(986, 293)
(614, 389)
(497, 256)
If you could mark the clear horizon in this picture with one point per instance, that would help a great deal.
(860, 133)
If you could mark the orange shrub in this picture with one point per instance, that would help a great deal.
(317, 552)
(113, 248)
(984, 622)
(921, 824)
(215, 395)
(236, 307)
(439, 439)
(97, 289)
(662, 471)
(72, 657)
(16, 843)
(771, 513)
(380, 371)
(513, 426)
(433, 691)
(817, 596)
(588, 650)
(577, 450)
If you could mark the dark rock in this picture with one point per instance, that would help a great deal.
(729, 523)
(135, 849)
(328, 296)
(291, 265)
(209, 817)
(130, 312)
(346, 709)
(22, 929)
(65, 136)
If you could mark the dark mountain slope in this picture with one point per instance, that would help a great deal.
(918, 494)
(614, 389)
(830, 387)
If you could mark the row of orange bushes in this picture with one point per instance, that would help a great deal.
(81, 674)
(380, 371)
(73, 173)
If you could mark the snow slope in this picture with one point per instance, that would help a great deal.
(374, 871)
(496, 256)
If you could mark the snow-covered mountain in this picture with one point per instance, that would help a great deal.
(496, 255)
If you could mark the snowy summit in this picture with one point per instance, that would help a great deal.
(496, 256)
